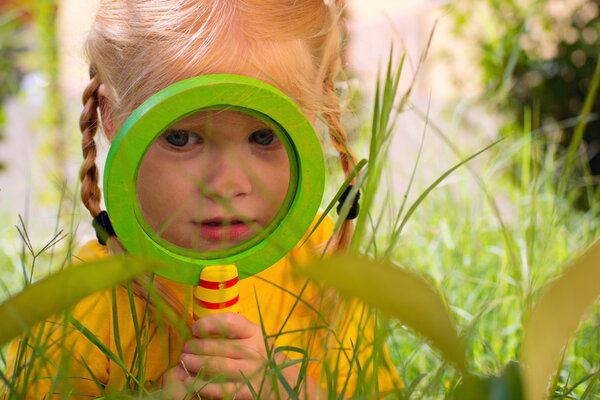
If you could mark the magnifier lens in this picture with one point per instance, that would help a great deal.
(214, 179)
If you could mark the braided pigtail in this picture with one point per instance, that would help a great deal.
(88, 124)
(332, 51)
(89, 176)
(339, 139)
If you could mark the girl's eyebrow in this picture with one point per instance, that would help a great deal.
(194, 121)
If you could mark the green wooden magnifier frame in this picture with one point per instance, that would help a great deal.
(209, 92)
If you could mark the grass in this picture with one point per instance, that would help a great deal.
(457, 242)
(488, 236)
(492, 255)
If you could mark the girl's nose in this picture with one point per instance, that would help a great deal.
(227, 175)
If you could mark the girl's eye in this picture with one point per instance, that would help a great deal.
(181, 138)
(263, 137)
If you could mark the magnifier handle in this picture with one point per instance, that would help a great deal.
(217, 291)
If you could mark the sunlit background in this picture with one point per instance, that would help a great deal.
(46, 74)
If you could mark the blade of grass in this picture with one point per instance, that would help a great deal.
(577, 138)
(115, 318)
(576, 384)
(63, 289)
(269, 349)
(381, 133)
(422, 196)
(406, 393)
(249, 385)
(591, 387)
(99, 385)
(104, 348)
(412, 175)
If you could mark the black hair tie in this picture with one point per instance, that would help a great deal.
(353, 213)
(103, 227)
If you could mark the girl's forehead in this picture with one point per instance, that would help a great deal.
(220, 118)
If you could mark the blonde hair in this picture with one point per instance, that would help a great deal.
(138, 47)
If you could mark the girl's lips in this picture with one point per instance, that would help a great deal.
(220, 230)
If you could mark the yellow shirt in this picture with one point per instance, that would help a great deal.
(325, 328)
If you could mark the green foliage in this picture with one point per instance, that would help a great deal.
(23, 311)
(490, 287)
(539, 55)
(399, 293)
(408, 297)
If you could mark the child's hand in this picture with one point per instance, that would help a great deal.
(226, 345)
(226, 355)
(226, 348)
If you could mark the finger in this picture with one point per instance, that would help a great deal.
(174, 383)
(218, 367)
(175, 374)
(230, 348)
(207, 389)
(226, 325)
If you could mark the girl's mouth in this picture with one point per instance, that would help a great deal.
(220, 229)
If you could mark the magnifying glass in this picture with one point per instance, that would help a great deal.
(214, 174)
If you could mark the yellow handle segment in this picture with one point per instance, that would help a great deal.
(217, 291)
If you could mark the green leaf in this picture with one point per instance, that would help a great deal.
(96, 381)
(287, 387)
(249, 385)
(397, 292)
(508, 386)
(57, 292)
(566, 301)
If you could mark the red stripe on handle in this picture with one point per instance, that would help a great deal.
(217, 306)
(217, 285)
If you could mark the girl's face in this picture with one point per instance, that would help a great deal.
(213, 179)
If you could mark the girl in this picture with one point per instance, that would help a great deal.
(135, 49)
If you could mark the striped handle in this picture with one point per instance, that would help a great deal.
(217, 291)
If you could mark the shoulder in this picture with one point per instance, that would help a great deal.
(314, 242)
(91, 251)
(311, 246)
(100, 301)
(320, 230)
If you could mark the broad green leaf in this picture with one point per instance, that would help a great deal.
(59, 291)
(555, 319)
(397, 292)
